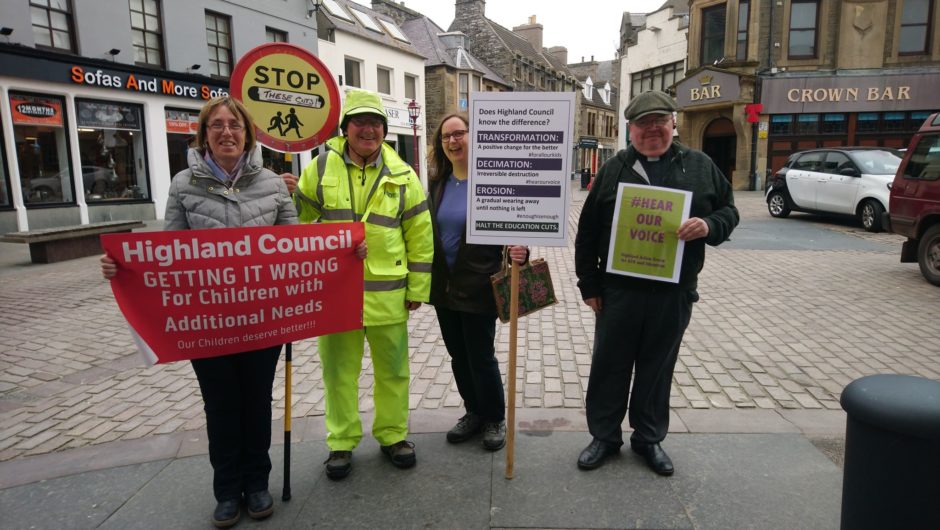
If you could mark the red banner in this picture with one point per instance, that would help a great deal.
(204, 293)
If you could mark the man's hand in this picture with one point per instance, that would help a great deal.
(411, 306)
(362, 250)
(594, 303)
(108, 267)
(290, 180)
(694, 228)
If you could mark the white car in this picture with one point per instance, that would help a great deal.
(844, 180)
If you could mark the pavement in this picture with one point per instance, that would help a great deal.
(792, 310)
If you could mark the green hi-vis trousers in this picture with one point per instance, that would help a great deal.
(341, 361)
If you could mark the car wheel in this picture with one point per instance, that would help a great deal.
(870, 215)
(777, 204)
(928, 255)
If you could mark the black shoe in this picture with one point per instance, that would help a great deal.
(338, 465)
(494, 435)
(592, 457)
(402, 454)
(226, 513)
(467, 427)
(655, 457)
(260, 504)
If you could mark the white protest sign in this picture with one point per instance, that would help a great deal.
(520, 159)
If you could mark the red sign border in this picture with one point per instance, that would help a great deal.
(273, 48)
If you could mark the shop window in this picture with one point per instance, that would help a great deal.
(111, 148)
(834, 124)
(5, 200)
(917, 118)
(147, 32)
(915, 27)
(274, 35)
(353, 73)
(219, 39)
(807, 124)
(53, 26)
(411, 87)
(383, 80)
(181, 128)
(867, 122)
(803, 23)
(744, 11)
(277, 162)
(781, 124)
(713, 34)
(42, 150)
(894, 121)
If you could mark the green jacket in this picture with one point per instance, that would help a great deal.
(687, 169)
(397, 223)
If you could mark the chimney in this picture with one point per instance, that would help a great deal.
(560, 53)
(531, 32)
(454, 39)
(469, 9)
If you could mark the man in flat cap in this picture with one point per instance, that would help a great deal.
(640, 322)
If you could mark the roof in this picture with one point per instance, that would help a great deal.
(522, 47)
(349, 22)
(425, 35)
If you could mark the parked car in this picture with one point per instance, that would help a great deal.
(96, 180)
(915, 201)
(844, 180)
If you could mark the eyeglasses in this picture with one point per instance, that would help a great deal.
(366, 121)
(219, 127)
(456, 136)
(649, 123)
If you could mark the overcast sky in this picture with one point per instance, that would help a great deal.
(586, 28)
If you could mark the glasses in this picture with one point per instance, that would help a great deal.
(366, 121)
(219, 127)
(649, 123)
(456, 136)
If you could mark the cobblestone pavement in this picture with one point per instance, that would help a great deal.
(775, 330)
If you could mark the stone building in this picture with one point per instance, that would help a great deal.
(598, 116)
(824, 73)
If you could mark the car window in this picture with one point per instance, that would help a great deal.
(836, 162)
(877, 162)
(925, 160)
(809, 162)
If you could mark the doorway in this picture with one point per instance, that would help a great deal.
(720, 143)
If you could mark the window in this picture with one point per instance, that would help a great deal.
(384, 80)
(802, 41)
(476, 83)
(713, 34)
(915, 27)
(52, 24)
(463, 90)
(353, 75)
(42, 149)
(147, 32)
(807, 124)
(835, 162)
(894, 121)
(181, 128)
(744, 12)
(393, 30)
(275, 35)
(658, 78)
(781, 124)
(810, 161)
(411, 87)
(925, 160)
(834, 124)
(5, 199)
(111, 148)
(867, 122)
(219, 38)
(592, 124)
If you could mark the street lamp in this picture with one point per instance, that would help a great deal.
(414, 110)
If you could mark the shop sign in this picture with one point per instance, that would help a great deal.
(850, 94)
(98, 115)
(587, 143)
(290, 94)
(33, 110)
(706, 87)
(397, 117)
(182, 121)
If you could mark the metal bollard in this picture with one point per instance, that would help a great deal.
(892, 453)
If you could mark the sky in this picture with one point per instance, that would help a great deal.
(591, 28)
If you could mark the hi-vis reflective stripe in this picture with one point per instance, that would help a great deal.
(300, 195)
(337, 215)
(417, 266)
(384, 220)
(385, 285)
(418, 208)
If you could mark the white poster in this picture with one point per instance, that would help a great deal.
(520, 162)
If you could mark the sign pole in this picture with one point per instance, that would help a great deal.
(511, 375)
(288, 354)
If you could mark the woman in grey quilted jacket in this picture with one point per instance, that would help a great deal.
(226, 186)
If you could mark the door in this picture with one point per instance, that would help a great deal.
(720, 143)
(804, 177)
(835, 191)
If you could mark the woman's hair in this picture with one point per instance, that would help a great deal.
(236, 108)
(440, 166)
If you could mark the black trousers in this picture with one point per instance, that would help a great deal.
(638, 329)
(469, 339)
(236, 392)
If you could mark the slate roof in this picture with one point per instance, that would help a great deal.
(522, 47)
(423, 33)
(353, 26)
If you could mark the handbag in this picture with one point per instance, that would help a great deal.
(535, 288)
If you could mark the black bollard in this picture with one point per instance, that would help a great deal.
(892, 453)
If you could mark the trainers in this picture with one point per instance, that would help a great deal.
(402, 454)
(494, 435)
(467, 426)
(339, 464)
